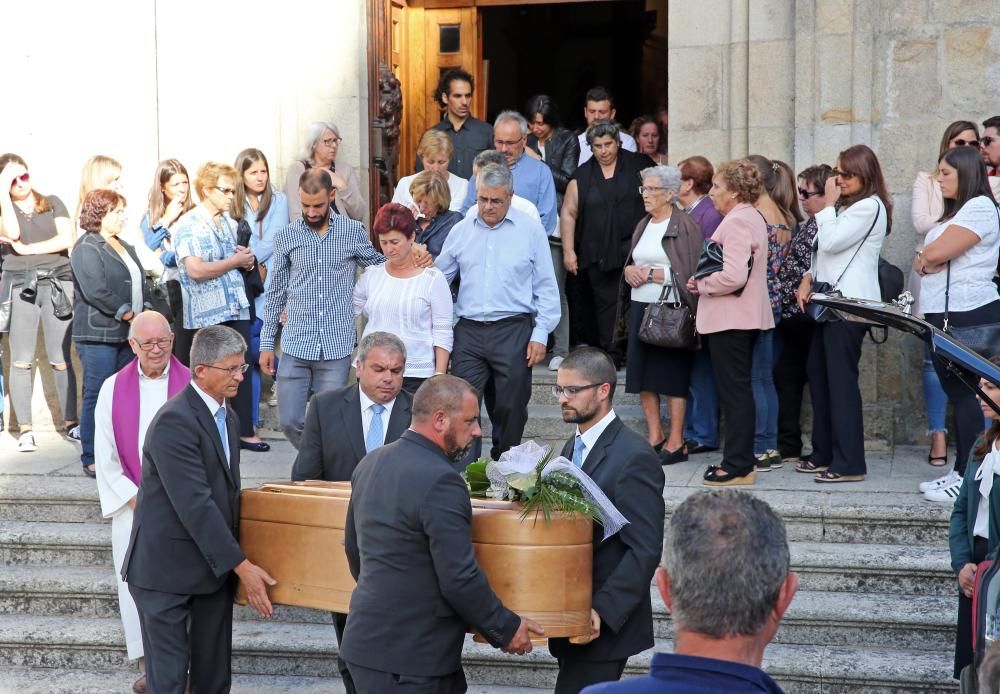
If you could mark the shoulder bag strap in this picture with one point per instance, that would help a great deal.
(878, 210)
(947, 293)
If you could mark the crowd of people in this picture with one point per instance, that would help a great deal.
(510, 246)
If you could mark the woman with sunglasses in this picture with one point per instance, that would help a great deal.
(110, 291)
(36, 234)
(322, 144)
(956, 268)
(850, 231)
(211, 275)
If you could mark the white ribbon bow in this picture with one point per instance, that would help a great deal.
(987, 470)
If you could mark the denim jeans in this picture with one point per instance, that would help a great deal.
(935, 399)
(100, 360)
(702, 417)
(297, 378)
(765, 397)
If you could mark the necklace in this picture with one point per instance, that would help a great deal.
(28, 213)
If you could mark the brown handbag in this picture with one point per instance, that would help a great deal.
(668, 323)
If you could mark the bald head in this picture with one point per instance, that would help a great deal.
(148, 322)
(151, 339)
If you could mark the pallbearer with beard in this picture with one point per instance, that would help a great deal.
(408, 539)
(627, 469)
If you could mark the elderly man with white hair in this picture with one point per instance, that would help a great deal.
(126, 405)
(532, 178)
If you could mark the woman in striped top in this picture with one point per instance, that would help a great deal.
(407, 301)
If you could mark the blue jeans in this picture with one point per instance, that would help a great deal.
(702, 423)
(935, 399)
(253, 358)
(297, 378)
(100, 360)
(765, 397)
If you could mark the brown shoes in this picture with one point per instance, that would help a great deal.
(139, 686)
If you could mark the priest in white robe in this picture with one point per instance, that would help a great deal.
(126, 405)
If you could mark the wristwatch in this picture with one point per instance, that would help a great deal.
(649, 277)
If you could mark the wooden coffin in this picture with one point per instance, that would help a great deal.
(538, 569)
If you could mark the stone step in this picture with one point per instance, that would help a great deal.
(835, 618)
(56, 499)
(55, 544)
(308, 650)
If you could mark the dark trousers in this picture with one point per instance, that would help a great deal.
(182, 335)
(368, 681)
(492, 357)
(100, 360)
(411, 383)
(339, 623)
(596, 309)
(575, 674)
(732, 359)
(243, 401)
(795, 335)
(964, 654)
(186, 632)
(838, 438)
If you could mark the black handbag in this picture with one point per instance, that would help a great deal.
(669, 323)
(822, 314)
(711, 261)
(982, 339)
(253, 283)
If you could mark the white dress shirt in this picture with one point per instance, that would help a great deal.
(593, 433)
(213, 406)
(367, 414)
(457, 187)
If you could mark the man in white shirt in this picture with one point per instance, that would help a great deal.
(600, 105)
(492, 156)
(125, 407)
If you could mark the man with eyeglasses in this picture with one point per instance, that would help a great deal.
(532, 178)
(507, 305)
(989, 145)
(184, 545)
(625, 467)
(127, 402)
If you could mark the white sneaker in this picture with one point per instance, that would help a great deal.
(26, 443)
(942, 481)
(555, 363)
(945, 494)
(74, 432)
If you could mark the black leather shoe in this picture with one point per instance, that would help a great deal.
(694, 448)
(88, 472)
(258, 447)
(673, 457)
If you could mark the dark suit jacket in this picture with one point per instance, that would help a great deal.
(187, 514)
(333, 439)
(408, 538)
(625, 467)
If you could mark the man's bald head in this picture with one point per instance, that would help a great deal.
(148, 322)
(151, 340)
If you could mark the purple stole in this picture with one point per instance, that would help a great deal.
(125, 411)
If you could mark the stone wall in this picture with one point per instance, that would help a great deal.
(802, 80)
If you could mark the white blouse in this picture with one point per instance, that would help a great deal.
(972, 272)
(838, 236)
(457, 186)
(649, 252)
(417, 310)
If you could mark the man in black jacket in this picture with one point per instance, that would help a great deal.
(408, 539)
(342, 426)
(184, 551)
(625, 467)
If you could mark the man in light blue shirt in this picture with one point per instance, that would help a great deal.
(508, 303)
(532, 177)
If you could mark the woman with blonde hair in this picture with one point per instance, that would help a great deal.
(99, 172)
(435, 151)
(435, 218)
(322, 143)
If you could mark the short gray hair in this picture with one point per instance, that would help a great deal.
(495, 176)
(215, 343)
(604, 128)
(314, 133)
(668, 176)
(489, 156)
(726, 554)
(514, 116)
(380, 339)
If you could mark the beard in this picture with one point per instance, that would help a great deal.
(577, 415)
(452, 450)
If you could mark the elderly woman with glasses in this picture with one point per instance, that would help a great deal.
(665, 248)
(211, 274)
(322, 142)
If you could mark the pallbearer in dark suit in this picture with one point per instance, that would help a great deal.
(626, 468)
(344, 425)
(184, 550)
(408, 538)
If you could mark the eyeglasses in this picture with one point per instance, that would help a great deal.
(959, 142)
(843, 174)
(490, 202)
(572, 391)
(233, 370)
(226, 191)
(650, 189)
(331, 141)
(806, 194)
(985, 141)
(163, 343)
(23, 178)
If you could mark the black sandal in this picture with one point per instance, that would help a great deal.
(716, 476)
(809, 467)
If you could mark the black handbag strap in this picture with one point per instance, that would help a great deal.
(878, 210)
(665, 292)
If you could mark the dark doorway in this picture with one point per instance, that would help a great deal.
(565, 49)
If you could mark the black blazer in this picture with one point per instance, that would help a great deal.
(187, 514)
(625, 467)
(333, 440)
(408, 538)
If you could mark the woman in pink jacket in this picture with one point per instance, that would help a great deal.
(733, 308)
